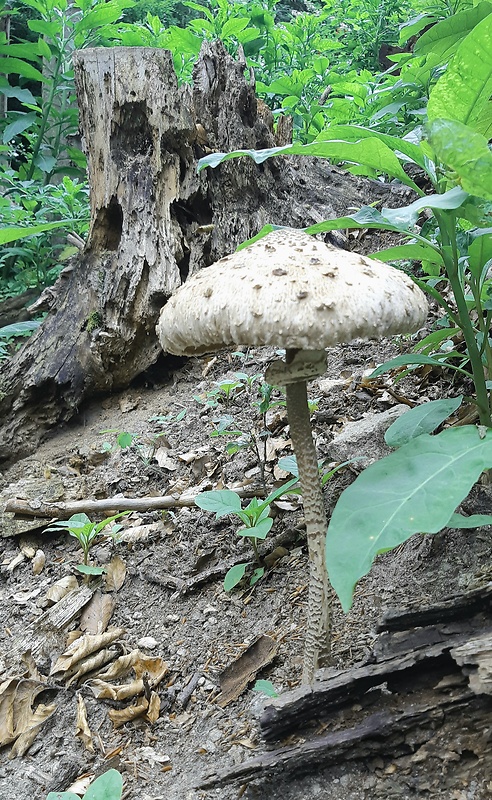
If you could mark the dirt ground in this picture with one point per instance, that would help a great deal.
(199, 633)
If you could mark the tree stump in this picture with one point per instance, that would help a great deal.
(154, 221)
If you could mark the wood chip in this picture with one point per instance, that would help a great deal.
(236, 677)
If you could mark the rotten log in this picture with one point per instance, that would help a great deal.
(154, 221)
(438, 688)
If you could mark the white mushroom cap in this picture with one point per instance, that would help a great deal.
(289, 290)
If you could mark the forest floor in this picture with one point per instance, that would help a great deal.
(193, 635)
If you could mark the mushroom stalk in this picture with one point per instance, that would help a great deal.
(317, 643)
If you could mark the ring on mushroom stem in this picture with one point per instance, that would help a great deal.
(290, 290)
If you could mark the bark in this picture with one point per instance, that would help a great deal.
(154, 221)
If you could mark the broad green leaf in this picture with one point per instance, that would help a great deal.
(257, 574)
(444, 37)
(19, 328)
(355, 133)
(464, 151)
(233, 576)
(20, 124)
(410, 252)
(434, 339)
(19, 51)
(370, 152)
(19, 67)
(85, 569)
(414, 26)
(258, 531)
(415, 489)
(49, 29)
(12, 234)
(464, 90)
(421, 419)
(233, 26)
(107, 787)
(22, 95)
(474, 521)
(105, 522)
(101, 15)
(125, 439)
(266, 687)
(221, 502)
(480, 251)
(416, 358)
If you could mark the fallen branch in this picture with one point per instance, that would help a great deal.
(40, 508)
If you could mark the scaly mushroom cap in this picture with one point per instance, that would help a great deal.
(289, 290)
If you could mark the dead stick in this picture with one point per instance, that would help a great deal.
(38, 508)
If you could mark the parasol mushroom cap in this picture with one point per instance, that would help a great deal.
(292, 291)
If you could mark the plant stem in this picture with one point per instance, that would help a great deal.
(318, 635)
(447, 227)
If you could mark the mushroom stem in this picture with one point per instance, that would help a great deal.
(318, 634)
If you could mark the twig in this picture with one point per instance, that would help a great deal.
(40, 508)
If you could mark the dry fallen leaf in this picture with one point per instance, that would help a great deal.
(82, 730)
(164, 459)
(84, 646)
(97, 613)
(235, 678)
(38, 562)
(115, 574)
(20, 722)
(120, 716)
(62, 587)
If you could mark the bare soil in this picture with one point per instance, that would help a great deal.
(200, 633)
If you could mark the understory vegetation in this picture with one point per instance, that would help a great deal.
(390, 91)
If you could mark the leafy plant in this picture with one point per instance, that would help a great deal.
(418, 487)
(108, 786)
(256, 519)
(86, 532)
(266, 687)
(9, 333)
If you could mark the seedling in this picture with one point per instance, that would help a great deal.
(257, 524)
(108, 786)
(124, 439)
(265, 687)
(86, 532)
(167, 419)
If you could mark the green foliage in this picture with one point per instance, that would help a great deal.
(108, 786)
(256, 519)
(416, 489)
(86, 532)
(266, 687)
(10, 333)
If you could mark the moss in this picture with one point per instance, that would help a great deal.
(94, 320)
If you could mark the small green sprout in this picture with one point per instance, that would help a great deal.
(257, 524)
(266, 687)
(86, 532)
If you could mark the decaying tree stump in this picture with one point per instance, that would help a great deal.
(154, 221)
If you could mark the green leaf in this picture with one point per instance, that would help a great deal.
(12, 234)
(266, 687)
(415, 489)
(87, 570)
(257, 574)
(125, 439)
(414, 358)
(49, 29)
(421, 419)
(410, 252)
(258, 531)
(101, 15)
(44, 49)
(20, 124)
(19, 67)
(370, 152)
(464, 91)
(19, 328)
(233, 26)
(480, 251)
(354, 133)
(107, 787)
(221, 502)
(474, 521)
(444, 37)
(464, 151)
(234, 575)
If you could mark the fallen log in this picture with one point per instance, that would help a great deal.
(429, 683)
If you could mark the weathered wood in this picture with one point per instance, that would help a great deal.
(41, 508)
(443, 676)
(154, 221)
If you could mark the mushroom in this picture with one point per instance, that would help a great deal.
(292, 291)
